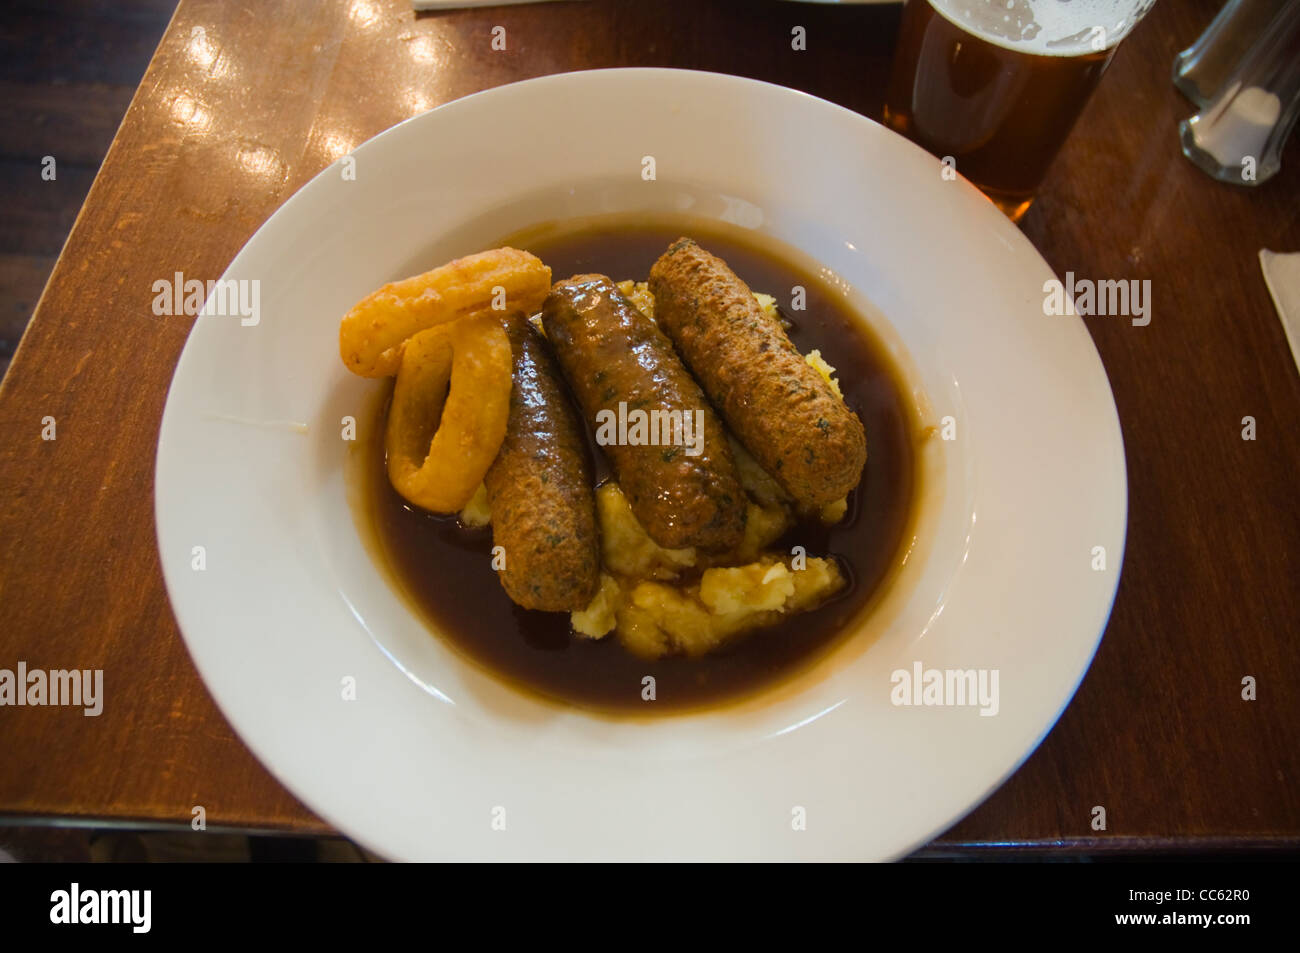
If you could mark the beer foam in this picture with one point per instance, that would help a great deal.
(1046, 27)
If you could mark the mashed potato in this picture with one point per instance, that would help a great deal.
(638, 292)
(658, 619)
(626, 549)
(815, 360)
(681, 601)
(477, 511)
(598, 619)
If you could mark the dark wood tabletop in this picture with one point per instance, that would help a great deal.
(1159, 732)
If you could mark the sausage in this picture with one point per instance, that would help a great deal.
(683, 488)
(540, 488)
(783, 410)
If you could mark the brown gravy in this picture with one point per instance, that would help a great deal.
(445, 569)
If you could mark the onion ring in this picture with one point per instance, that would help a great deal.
(371, 335)
(440, 442)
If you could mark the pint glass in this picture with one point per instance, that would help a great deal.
(997, 84)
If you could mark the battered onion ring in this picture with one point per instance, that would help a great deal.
(441, 473)
(372, 333)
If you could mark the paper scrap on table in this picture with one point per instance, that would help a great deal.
(1282, 275)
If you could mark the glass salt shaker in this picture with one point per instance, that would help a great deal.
(1200, 70)
(1238, 136)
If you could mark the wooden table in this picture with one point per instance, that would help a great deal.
(245, 101)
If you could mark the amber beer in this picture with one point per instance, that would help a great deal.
(998, 84)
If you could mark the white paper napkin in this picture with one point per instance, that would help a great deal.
(1282, 275)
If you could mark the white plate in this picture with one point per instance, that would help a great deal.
(418, 765)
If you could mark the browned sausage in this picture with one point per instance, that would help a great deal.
(683, 493)
(540, 489)
(782, 409)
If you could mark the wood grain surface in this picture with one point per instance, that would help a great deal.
(245, 101)
(68, 70)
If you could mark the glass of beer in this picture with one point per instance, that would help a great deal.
(994, 86)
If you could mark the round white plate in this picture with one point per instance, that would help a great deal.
(433, 755)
